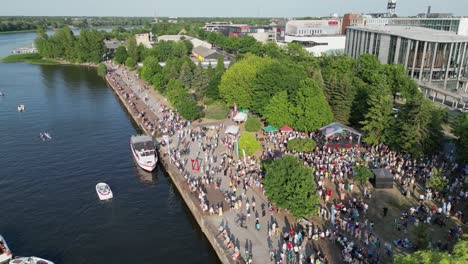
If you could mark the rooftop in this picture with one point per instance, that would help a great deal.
(416, 33)
(203, 51)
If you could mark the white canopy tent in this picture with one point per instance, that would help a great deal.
(233, 130)
(240, 117)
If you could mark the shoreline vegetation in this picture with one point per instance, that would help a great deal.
(18, 31)
(31, 58)
(37, 59)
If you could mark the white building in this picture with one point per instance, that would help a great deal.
(320, 44)
(196, 42)
(313, 27)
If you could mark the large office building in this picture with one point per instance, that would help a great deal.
(437, 59)
(458, 25)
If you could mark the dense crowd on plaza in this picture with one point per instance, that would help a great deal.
(204, 155)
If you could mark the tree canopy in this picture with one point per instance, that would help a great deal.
(290, 185)
(238, 81)
(311, 110)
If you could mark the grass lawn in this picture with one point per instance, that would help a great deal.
(32, 58)
(217, 111)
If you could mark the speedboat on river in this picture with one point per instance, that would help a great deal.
(144, 152)
(5, 253)
(104, 192)
(30, 260)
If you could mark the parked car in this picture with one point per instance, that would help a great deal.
(463, 109)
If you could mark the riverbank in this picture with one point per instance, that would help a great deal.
(31, 58)
(17, 31)
(35, 58)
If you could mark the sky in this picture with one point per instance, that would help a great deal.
(222, 8)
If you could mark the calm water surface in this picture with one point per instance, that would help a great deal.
(49, 207)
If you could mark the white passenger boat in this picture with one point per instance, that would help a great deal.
(104, 192)
(5, 253)
(144, 152)
(30, 260)
(21, 108)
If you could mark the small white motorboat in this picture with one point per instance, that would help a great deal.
(2, 94)
(21, 108)
(47, 136)
(30, 260)
(104, 191)
(5, 253)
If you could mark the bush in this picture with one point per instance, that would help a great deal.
(217, 111)
(249, 143)
(362, 174)
(101, 70)
(302, 144)
(130, 62)
(252, 124)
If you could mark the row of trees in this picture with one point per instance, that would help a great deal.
(87, 47)
(192, 82)
(288, 86)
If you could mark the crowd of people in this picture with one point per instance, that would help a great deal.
(204, 155)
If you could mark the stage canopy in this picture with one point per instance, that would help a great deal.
(240, 117)
(286, 128)
(337, 128)
(270, 129)
(233, 130)
(383, 178)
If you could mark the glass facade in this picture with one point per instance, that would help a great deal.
(392, 49)
(402, 56)
(447, 24)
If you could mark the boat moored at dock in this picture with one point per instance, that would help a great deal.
(144, 152)
(30, 260)
(5, 253)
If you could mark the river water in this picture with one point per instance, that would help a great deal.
(49, 207)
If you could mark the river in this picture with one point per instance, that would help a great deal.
(49, 207)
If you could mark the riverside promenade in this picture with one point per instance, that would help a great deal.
(210, 195)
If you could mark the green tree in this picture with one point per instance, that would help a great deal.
(186, 74)
(132, 50)
(362, 174)
(130, 62)
(416, 118)
(378, 119)
(252, 124)
(199, 82)
(289, 184)
(311, 110)
(273, 78)
(249, 143)
(461, 143)
(437, 180)
(459, 253)
(150, 68)
(340, 94)
(237, 82)
(90, 46)
(213, 86)
(278, 112)
(120, 55)
(302, 144)
(101, 70)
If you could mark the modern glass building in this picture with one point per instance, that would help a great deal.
(436, 59)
